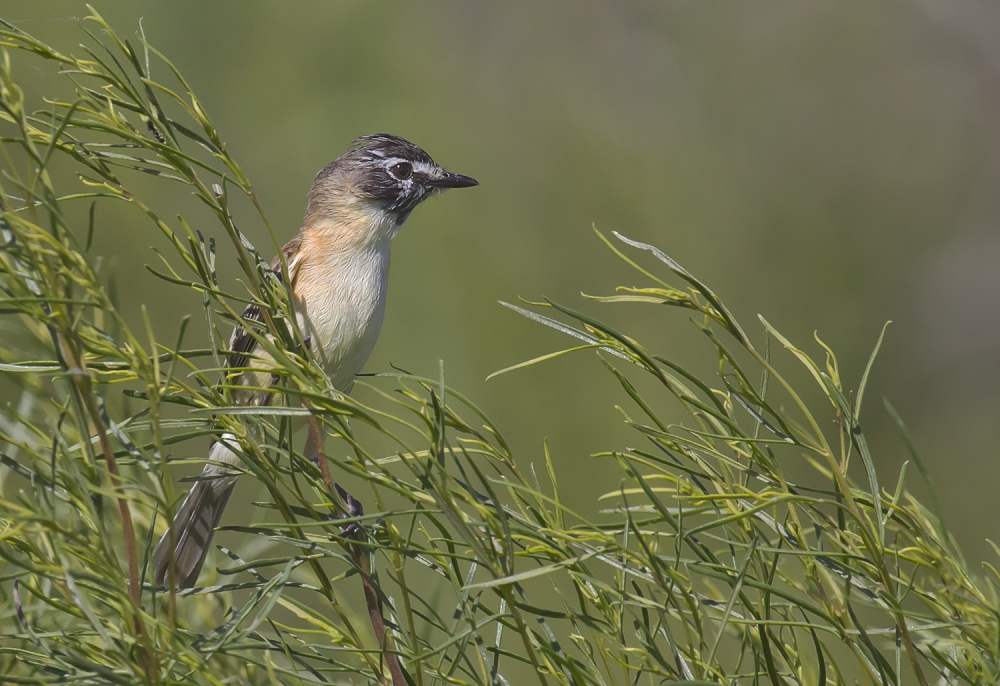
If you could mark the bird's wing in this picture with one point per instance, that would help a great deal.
(242, 345)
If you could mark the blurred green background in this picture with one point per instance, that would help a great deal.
(831, 165)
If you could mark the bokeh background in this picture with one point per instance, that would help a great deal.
(832, 165)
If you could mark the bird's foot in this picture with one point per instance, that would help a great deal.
(354, 509)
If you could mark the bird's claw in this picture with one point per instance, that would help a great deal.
(354, 506)
(354, 509)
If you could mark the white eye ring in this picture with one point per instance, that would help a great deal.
(401, 170)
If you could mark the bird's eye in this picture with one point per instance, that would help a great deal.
(403, 170)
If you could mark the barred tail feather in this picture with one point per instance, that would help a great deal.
(195, 522)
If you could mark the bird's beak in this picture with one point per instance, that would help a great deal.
(449, 180)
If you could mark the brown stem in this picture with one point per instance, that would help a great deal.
(128, 530)
(315, 453)
(82, 381)
(314, 450)
(375, 613)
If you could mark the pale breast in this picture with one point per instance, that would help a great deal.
(341, 305)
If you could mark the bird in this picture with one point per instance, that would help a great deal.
(338, 267)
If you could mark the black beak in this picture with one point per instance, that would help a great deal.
(450, 180)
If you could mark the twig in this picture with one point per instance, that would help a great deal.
(355, 532)
(83, 385)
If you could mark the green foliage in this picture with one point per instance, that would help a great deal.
(708, 564)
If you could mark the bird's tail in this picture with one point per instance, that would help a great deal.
(194, 523)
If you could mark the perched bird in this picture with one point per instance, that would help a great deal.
(338, 264)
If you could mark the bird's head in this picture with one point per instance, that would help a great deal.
(384, 173)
